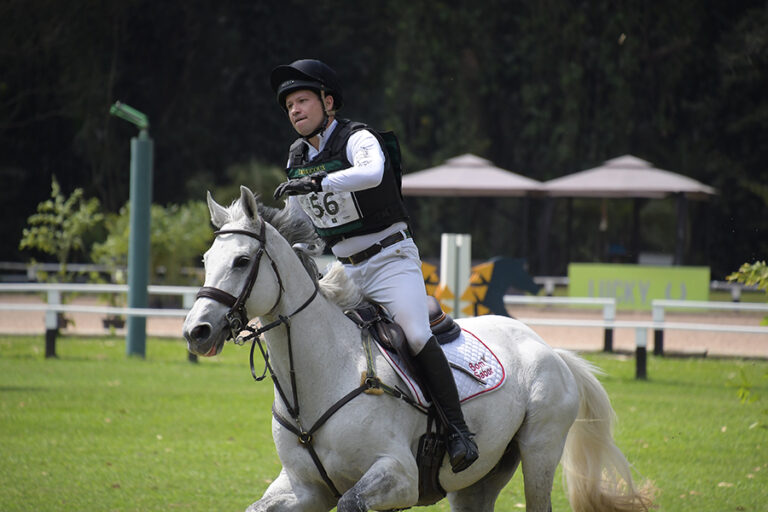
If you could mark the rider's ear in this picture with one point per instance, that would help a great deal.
(249, 204)
(219, 215)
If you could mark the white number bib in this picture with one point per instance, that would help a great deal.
(330, 209)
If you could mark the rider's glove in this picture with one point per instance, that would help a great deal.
(305, 185)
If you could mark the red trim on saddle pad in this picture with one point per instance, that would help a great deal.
(473, 355)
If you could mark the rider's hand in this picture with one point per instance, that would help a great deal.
(305, 185)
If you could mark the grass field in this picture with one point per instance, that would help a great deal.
(96, 431)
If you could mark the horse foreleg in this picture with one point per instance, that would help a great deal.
(389, 483)
(283, 496)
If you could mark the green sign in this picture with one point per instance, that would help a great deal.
(635, 286)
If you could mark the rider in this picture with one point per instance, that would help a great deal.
(346, 183)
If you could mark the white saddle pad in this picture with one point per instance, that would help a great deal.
(482, 372)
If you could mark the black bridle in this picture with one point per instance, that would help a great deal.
(237, 316)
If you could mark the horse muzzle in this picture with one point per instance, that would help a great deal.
(203, 341)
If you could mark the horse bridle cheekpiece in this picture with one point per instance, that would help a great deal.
(237, 317)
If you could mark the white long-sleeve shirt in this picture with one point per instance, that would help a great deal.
(367, 158)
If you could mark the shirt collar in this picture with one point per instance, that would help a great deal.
(323, 137)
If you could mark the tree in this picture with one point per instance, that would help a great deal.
(60, 225)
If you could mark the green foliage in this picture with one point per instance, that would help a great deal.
(539, 88)
(60, 225)
(179, 235)
(745, 388)
(752, 274)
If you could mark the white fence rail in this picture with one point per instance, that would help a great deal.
(658, 323)
(54, 305)
(659, 306)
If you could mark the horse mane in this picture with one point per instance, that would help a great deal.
(337, 287)
(294, 225)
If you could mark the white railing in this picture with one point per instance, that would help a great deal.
(658, 323)
(608, 304)
(659, 306)
(54, 306)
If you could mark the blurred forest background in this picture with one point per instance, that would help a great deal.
(543, 89)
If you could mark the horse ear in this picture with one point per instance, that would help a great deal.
(248, 203)
(219, 215)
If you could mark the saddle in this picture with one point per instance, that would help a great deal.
(390, 336)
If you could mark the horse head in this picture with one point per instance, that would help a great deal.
(234, 269)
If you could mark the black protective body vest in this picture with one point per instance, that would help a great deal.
(378, 207)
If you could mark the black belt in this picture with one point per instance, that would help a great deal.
(376, 248)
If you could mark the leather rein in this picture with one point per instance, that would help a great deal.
(237, 319)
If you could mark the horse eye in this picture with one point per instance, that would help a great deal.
(242, 261)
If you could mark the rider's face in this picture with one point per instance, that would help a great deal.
(305, 111)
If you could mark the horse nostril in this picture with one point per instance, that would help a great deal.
(201, 332)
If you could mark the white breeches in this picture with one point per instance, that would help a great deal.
(393, 278)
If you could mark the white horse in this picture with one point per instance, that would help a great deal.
(551, 408)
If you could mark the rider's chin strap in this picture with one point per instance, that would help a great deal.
(326, 117)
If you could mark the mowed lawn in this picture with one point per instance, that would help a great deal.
(96, 431)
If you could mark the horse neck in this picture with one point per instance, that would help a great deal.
(325, 345)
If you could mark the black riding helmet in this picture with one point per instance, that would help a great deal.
(306, 74)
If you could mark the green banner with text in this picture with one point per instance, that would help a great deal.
(635, 286)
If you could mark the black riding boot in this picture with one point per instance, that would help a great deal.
(438, 378)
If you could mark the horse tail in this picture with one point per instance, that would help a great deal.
(597, 475)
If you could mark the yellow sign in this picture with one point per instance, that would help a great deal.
(476, 309)
(432, 283)
(431, 280)
(443, 293)
(477, 290)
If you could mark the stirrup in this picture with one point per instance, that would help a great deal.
(463, 456)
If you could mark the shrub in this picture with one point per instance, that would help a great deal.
(179, 234)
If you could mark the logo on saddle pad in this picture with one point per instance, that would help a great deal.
(481, 370)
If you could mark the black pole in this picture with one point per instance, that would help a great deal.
(641, 354)
(50, 342)
(658, 342)
(608, 340)
(641, 358)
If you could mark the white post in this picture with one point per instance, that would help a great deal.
(455, 267)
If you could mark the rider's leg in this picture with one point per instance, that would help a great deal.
(438, 378)
(394, 279)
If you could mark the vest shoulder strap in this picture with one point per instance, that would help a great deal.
(342, 132)
(297, 153)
